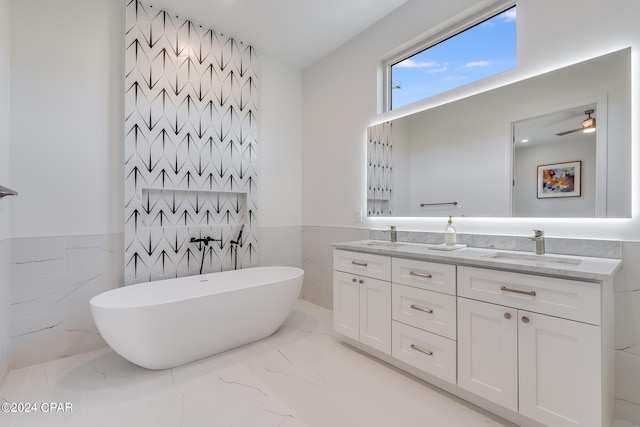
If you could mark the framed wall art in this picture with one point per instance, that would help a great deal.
(560, 180)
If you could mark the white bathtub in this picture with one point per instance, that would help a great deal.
(163, 324)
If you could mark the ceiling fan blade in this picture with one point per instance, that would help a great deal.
(569, 131)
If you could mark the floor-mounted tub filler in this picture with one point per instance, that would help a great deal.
(163, 324)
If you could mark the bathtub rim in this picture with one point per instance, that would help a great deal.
(165, 291)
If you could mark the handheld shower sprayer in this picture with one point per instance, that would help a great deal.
(238, 241)
(234, 245)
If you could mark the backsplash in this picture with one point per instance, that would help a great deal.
(554, 245)
(190, 146)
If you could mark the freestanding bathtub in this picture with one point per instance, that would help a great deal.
(167, 323)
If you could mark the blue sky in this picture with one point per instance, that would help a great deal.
(484, 50)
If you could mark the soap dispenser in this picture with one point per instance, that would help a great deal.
(450, 234)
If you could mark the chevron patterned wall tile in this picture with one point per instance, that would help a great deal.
(190, 147)
(380, 169)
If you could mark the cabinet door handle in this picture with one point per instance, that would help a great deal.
(426, 276)
(361, 281)
(507, 316)
(360, 263)
(354, 280)
(426, 310)
(525, 319)
(416, 348)
(518, 291)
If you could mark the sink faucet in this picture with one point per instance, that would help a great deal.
(394, 235)
(538, 237)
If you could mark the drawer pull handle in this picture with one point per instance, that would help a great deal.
(416, 348)
(361, 264)
(518, 291)
(426, 276)
(426, 310)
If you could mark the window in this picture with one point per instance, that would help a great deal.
(484, 49)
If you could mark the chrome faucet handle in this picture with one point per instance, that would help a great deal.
(393, 234)
(538, 237)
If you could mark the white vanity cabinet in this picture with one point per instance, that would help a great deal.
(362, 298)
(532, 344)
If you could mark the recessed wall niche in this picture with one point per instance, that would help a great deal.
(190, 146)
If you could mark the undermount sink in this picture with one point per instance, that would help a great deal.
(544, 259)
(384, 243)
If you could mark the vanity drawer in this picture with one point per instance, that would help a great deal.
(428, 352)
(425, 275)
(431, 311)
(569, 299)
(363, 264)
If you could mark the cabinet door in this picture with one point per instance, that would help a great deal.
(488, 351)
(346, 304)
(375, 314)
(560, 370)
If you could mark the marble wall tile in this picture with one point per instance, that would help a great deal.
(36, 338)
(5, 295)
(317, 260)
(37, 256)
(83, 253)
(627, 342)
(52, 281)
(627, 391)
(280, 246)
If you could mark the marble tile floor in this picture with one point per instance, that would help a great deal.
(300, 376)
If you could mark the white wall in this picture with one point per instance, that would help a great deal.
(280, 147)
(4, 115)
(66, 117)
(5, 289)
(340, 99)
(279, 164)
(527, 159)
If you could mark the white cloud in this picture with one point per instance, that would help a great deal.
(438, 70)
(410, 63)
(476, 64)
(455, 78)
(509, 15)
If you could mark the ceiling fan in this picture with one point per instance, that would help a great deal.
(588, 125)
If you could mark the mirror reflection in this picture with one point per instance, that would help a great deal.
(554, 168)
(467, 158)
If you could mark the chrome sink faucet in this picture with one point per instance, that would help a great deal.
(393, 234)
(538, 237)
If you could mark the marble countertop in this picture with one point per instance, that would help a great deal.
(577, 267)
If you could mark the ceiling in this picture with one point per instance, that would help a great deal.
(297, 32)
(543, 129)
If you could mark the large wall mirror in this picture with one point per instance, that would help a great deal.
(518, 150)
